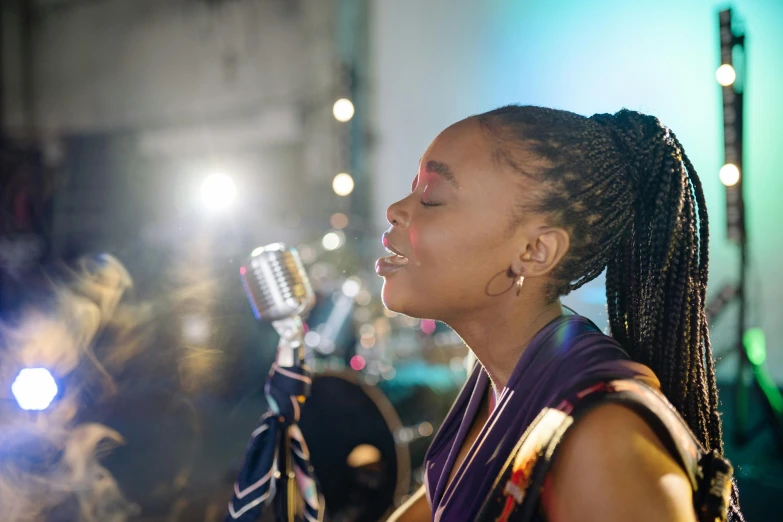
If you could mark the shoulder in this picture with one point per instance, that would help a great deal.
(612, 467)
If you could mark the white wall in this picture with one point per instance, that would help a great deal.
(438, 61)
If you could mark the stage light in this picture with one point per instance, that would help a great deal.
(725, 75)
(195, 328)
(729, 174)
(218, 191)
(342, 184)
(333, 240)
(343, 110)
(34, 388)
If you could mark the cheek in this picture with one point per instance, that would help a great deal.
(450, 265)
(434, 246)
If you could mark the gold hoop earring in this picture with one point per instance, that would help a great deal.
(520, 280)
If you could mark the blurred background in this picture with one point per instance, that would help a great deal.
(178, 135)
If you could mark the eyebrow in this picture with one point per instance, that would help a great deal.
(443, 170)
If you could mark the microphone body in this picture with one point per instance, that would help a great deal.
(279, 292)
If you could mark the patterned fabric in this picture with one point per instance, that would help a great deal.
(517, 490)
(567, 351)
(256, 484)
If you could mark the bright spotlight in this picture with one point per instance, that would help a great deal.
(729, 174)
(725, 75)
(218, 191)
(332, 240)
(342, 184)
(343, 110)
(34, 388)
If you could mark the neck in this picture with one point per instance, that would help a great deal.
(499, 337)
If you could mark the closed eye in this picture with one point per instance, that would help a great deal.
(428, 204)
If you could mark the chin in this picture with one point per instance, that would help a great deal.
(406, 301)
(393, 301)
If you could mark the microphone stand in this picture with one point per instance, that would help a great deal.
(290, 354)
(276, 470)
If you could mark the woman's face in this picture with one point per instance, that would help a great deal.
(453, 232)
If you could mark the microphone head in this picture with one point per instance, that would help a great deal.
(276, 283)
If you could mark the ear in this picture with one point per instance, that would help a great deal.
(543, 252)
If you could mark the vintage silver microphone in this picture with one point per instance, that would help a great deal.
(279, 291)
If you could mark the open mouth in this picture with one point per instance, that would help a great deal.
(390, 248)
(386, 265)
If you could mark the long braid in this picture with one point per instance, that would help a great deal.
(633, 204)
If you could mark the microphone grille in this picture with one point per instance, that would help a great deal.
(276, 283)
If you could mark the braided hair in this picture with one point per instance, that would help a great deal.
(633, 204)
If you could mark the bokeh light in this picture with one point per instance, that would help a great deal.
(729, 174)
(351, 287)
(725, 75)
(364, 298)
(312, 339)
(34, 388)
(338, 220)
(333, 240)
(358, 362)
(343, 110)
(307, 254)
(425, 429)
(342, 184)
(428, 326)
(218, 191)
(755, 345)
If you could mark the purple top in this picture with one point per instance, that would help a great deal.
(567, 351)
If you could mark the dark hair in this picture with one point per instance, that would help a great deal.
(633, 204)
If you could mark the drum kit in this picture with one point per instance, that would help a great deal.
(366, 457)
(375, 401)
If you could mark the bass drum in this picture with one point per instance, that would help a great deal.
(350, 430)
(359, 446)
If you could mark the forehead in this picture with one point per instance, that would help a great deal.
(463, 140)
(466, 150)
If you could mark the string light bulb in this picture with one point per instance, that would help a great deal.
(342, 184)
(729, 174)
(725, 75)
(343, 110)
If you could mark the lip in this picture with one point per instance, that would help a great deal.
(386, 266)
(388, 246)
(390, 264)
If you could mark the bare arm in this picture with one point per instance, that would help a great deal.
(415, 509)
(612, 468)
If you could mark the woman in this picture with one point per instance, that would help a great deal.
(512, 209)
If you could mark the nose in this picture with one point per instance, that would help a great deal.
(397, 214)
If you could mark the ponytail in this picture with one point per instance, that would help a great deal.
(633, 204)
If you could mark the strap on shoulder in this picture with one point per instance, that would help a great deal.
(515, 494)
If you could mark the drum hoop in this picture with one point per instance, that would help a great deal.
(393, 421)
